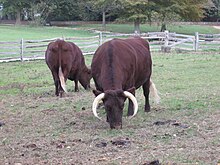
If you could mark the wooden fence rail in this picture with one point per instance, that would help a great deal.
(159, 41)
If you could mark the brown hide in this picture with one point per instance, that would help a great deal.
(69, 57)
(121, 65)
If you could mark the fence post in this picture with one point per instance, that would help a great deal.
(21, 49)
(100, 38)
(196, 44)
(165, 48)
(166, 43)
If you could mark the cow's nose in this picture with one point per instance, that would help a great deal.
(118, 126)
(88, 87)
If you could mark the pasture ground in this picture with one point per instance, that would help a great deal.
(38, 128)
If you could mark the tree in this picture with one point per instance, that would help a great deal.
(137, 11)
(212, 11)
(187, 10)
(64, 10)
(15, 7)
(41, 10)
(163, 11)
(190, 10)
(217, 8)
(104, 7)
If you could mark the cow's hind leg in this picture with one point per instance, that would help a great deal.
(56, 83)
(146, 90)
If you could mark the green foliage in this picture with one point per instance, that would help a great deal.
(134, 10)
(212, 10)
(137, 11)
(65, 10)
(15, 4)
(106, 5)
(175, 10)
(190, 10)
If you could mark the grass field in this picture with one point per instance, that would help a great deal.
(38, 128)
(14, 33)
(129, 28)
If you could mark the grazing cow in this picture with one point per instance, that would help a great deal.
(66, 60)
(118, 68)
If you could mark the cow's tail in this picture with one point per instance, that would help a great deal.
(62, 80)
(154, 92)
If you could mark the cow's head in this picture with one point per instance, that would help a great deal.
(85, 77)
(114, 103)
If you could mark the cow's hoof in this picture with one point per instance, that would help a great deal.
(147, 110)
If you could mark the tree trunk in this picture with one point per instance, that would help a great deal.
(103, 20)
(163, 27)
(18, 18)
(137, 26)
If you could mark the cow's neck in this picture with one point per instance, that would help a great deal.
(109, 85)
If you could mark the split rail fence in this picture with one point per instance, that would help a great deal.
(159, 41)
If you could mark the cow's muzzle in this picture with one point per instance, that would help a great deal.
(116, 126)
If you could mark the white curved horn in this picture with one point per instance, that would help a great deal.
(95, 104)
(134, 100)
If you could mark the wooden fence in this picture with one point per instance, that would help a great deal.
(159, 41)
(209, 42)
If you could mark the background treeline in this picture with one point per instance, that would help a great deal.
(136, 11)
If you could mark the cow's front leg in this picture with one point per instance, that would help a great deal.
(76, 86)
(146, 90)
(130, 103)
(130, 108)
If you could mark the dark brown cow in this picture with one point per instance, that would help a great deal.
(66, 60)
(118, 68)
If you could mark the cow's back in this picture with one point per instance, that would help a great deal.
(52, 59)
(59, 54)
(143, 59)
(121, 64)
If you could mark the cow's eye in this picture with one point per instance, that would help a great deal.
(108, 108)
(121, 105)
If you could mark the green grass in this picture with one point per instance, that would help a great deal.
(16, 33)
(129, 28)
(194, 72)
(182, 73)
(189, 89)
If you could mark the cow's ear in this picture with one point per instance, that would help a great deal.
(132, 90)
(96, 92)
